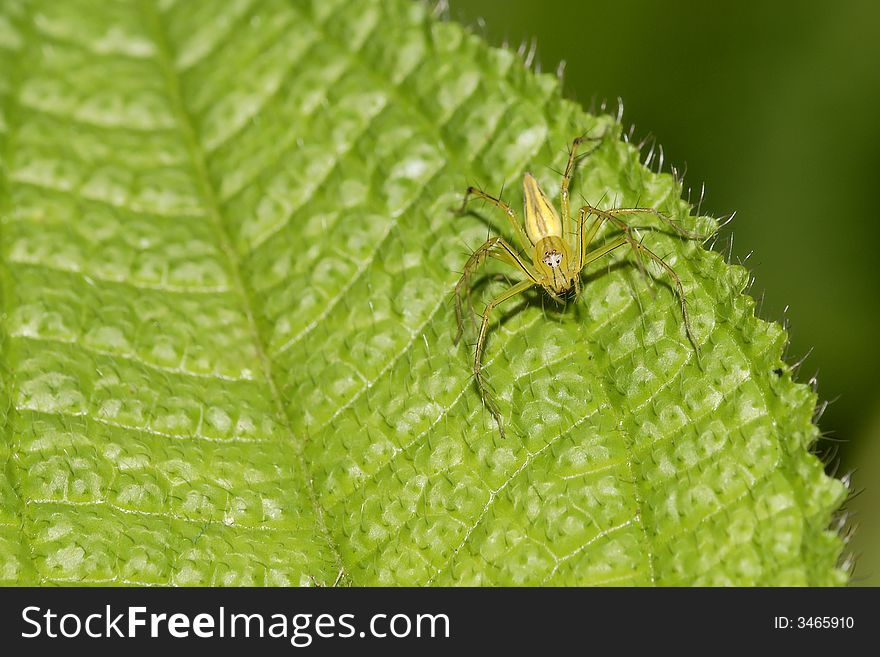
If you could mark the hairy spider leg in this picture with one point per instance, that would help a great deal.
(522, 286)
(518, 229)
(585, 238)
(613, 215)
(683, 232)
(604, 250)
(564, 198)
(495, 247)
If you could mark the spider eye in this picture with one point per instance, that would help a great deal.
(552, 258)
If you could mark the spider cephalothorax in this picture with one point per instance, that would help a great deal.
(553, 262)
(558, 256)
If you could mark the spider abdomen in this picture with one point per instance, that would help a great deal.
(541, 217)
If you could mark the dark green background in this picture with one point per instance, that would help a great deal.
(776, 107)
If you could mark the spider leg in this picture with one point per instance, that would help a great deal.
(564, 198)
(495, 247)
(679, 291)
(613, 215)
(585, 237)
(605, 249)
(518, 229)
(683, 232)
(481, 342)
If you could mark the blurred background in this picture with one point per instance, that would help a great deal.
(776, 108)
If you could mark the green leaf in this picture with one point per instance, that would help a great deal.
(227, 265)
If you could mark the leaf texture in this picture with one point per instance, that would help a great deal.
(227, 265)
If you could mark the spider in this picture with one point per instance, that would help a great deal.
(557, 258)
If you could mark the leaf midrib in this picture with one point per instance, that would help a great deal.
(209, 194)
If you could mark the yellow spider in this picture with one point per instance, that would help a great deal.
(556, 258)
